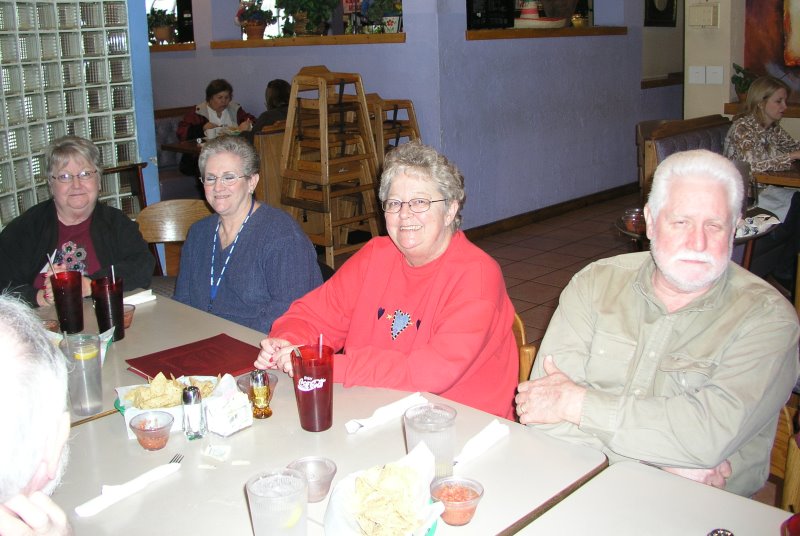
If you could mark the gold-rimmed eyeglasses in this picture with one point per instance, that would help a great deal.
(392, 206)
(225, 180)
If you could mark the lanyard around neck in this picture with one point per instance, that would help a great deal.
(215, 286)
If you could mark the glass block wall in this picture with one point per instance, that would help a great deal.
(65, 69)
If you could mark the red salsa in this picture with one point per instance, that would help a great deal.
(453, 496)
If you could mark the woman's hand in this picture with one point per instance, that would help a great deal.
(275, 354)
(246, 126)
(794, 155)
(209, 126)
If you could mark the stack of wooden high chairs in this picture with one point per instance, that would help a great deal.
(393, 122)
(329, 164)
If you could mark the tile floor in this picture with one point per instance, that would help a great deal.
(539, 259)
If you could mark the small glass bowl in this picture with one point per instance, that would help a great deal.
(633, 220)
(460, 497)
(127, 318)
(319, 472)
(152, 429)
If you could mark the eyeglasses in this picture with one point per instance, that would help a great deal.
(392, 206)
(68, 177)
(226, 180)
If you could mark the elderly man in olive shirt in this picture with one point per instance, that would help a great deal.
(676, 357)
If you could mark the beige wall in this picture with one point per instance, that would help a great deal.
(719, 46)
(662, 48)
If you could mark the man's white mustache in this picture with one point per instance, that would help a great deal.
(693, 256)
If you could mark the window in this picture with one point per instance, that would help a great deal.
(66, 70)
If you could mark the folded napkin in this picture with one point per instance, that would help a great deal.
(113, 494)
(385, 413)
(140, 297)
(482, 441)
(755, 225)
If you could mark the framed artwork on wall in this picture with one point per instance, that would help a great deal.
(660, 12)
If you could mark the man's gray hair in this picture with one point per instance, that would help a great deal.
(33, 394)
(702, 165)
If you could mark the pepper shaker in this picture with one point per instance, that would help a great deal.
(194, 414)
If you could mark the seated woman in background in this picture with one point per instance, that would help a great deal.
(209, 118)
(85, 235)
(248, 262)
(420, 310)
(756, 137)
(277, 100)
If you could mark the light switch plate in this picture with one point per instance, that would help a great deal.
(697, 74)
(714, 74)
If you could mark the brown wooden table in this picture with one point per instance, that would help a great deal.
(790, 178)
(184, 147)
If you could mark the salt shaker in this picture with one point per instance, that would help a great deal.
(194, 414)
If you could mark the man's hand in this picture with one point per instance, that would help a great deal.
(551, 399)
(716, 476)
(35, 514)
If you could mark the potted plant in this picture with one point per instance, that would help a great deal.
(308, 16)
(253, 18)
(741, 80)
(161, 25)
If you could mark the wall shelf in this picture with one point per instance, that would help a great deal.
(172, 48)
(792, 109)
(313, 40)
(528, 33)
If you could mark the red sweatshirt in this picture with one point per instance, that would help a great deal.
(443, 328)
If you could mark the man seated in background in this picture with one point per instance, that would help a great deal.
(35, 424)
(676, 357)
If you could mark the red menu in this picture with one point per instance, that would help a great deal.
(208, 357)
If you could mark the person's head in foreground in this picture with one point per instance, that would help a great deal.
(74, 167)
(229, 173)
(691, 215)
(33, 416)
(766, 100)
(421, 194)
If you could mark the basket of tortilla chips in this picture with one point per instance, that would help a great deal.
(391, 499)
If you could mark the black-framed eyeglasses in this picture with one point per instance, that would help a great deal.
(68, 177)
(226, 180)
(392, 206)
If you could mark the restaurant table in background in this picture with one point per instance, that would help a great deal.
(183, 147)
(157, 325)
(523, 474)
(790, 178)
(631, 498)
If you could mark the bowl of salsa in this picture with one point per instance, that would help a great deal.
(460, 497)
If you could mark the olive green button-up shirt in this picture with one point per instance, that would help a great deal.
(689, 388)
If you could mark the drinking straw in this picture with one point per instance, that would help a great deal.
(50, 260)
(113, 278)
(320, 345)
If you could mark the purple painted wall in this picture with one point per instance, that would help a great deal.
(530, 122)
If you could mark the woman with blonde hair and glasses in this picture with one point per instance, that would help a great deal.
(73, 230)
(248, 261)
(423, 309)
(756, 137)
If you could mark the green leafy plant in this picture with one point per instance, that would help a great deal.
(741, 79)
(160, 17)
(251, 12)
(383, 8)
(317, 11)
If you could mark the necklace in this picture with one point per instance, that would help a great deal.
(215, 287)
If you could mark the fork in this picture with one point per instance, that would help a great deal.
(177, 458)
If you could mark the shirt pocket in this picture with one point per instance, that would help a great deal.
(609, 362)
(682, 373)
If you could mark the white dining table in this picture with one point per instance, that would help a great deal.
(524, 474)
(157, 325)
(631, 498)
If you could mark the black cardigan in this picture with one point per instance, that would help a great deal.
(29, 238)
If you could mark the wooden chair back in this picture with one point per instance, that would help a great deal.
(269, 143)
(168, 222)
(527, 351)
(780, 470)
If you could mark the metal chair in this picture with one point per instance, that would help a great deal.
(527, 351)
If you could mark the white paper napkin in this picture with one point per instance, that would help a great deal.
(385, 413)
(140, 297)
(113, 494)
(755, 225)
(482, 441)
